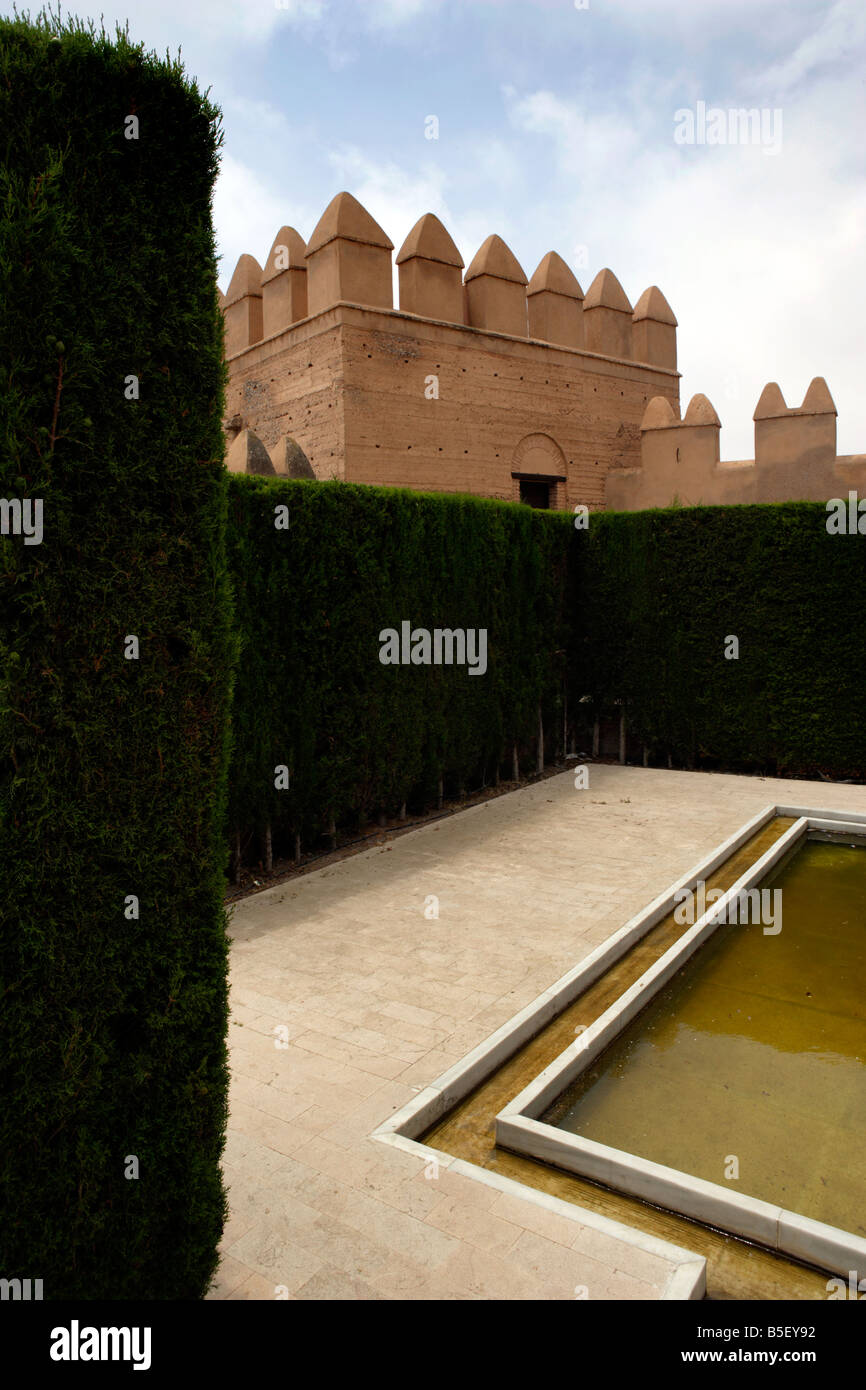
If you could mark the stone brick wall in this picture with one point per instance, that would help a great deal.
(448, 393)
(292, 384)
(353, 387)
(494, 393)
(795, 456)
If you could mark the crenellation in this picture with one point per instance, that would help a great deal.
(248, 455)
(483, 382)
(496, 289)
(654, 330)
(348, 258)
(607, 317)
(289, 459)
(242, 306)
(795, 456)
(555, 303)
(284, 282)
(783, 434)
(329, 380)
(428, 267)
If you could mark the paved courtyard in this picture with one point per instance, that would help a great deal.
(347, 999)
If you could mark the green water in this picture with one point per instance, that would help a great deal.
(756, 1050)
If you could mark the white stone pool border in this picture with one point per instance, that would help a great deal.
(519, 1129)
(401, 1130)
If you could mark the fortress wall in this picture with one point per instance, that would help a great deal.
(532, 377)
(317, 354)
(494, 391)
(292, 384)
(795, 457)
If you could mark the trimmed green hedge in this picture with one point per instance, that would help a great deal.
(112, 771)
(637, 608)
(660, 591)
(358, 736)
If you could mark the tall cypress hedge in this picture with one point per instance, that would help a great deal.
(660, 591)
(312, 598)
(112, 769)
(636, 609)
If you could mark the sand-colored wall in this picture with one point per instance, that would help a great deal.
(365, 410)
(350, 382)
(795, 457)
(493, 392)
(292, 384)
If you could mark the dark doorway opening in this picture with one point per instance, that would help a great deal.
(535, 492)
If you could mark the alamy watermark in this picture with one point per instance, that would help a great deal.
(855, 1288)
(77, 1343)
(846, 518)
(750, 905)
(716, 125)
(444, 646)
(21, 1290)
(19, 518)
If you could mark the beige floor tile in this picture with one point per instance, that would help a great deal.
(378, 1002)
(334, 1285)
(230, 1275)
(533, 1217)
(475, 1225)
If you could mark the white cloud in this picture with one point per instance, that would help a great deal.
(388, 14)
(753, 252)
(758, 256)
(248, 213)
(211, 21)
(394, 196)
(839, 36)
(589, 143)
(200, 25)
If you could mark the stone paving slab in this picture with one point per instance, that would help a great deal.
(371, 1000)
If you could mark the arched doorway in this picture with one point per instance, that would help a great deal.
(538, 472)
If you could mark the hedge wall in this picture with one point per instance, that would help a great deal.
(112, 770)
(660, 591)
(357, 736)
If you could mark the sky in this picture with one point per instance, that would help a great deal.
(564, 125)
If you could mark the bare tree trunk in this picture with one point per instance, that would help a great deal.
(269, 850)
(515, 765)
(564, 721)
(596, 737)
(539, 765)
(332, 831)
(440, 795)
(297, 848)
(403, 811)
(645, 756)
(237, 858)
(622, 735)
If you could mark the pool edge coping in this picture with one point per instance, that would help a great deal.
(519, 1130)
(400, 1130)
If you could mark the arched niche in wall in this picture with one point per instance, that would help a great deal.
(538, 472)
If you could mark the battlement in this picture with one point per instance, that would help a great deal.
(485, 380)
(481, 379)
(795, 456)
(348, 259)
